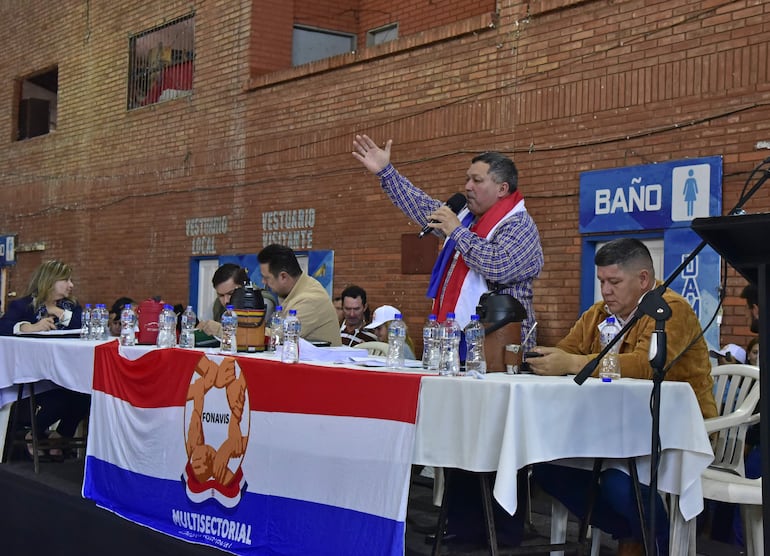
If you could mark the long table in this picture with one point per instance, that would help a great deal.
(501, 423)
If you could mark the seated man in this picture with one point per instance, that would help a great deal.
(228, 278)
(115, 311)
(625, 271)
(356, 310)
(296, 290)
(383, 316)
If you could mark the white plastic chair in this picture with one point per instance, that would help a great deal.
(374, 348)
(736, 390)
(725, 486)
(737, 395)
(559, 520)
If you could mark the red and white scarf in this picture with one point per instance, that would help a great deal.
(462, 287)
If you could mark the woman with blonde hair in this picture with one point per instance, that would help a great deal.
(48, 305)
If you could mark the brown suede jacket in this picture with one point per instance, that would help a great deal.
(693, 367)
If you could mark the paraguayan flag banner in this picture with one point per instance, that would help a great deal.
(251, 455)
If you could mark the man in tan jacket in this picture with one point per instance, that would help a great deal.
(295, 290)
(625, 271)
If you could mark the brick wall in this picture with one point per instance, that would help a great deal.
(563, 88)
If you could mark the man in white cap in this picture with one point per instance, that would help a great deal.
(729, 354)
(380, 320)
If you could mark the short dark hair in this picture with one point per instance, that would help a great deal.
(501, 168)
(230, 270)
(625, 252)
(280, 258)
(751, 294)
(353, 292)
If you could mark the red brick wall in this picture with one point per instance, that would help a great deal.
(414, 16)
(271, 35)
(337, 15)
(566, 88)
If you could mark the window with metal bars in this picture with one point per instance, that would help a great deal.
(161, 63)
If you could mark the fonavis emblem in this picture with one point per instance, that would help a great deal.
(217, 431)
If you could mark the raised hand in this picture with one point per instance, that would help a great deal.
(369, 154)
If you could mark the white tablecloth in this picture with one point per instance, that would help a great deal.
(501, 423)
(504, 423)
(66, 362)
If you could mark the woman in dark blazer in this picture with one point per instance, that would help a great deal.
(48, 305)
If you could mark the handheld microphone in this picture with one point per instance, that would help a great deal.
(456, 202)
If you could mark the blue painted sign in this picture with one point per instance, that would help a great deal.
(651, 196)
(657, 200)
(7, 250)
(698, 283)
(320, 265)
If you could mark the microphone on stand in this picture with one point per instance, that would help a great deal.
(456, 202)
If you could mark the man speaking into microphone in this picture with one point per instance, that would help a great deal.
(492, 244)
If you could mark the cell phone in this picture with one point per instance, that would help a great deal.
(525, 369)
(529, 354)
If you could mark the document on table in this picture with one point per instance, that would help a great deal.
(336, 354)
(379, 361)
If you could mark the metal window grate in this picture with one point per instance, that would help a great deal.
(161, 63)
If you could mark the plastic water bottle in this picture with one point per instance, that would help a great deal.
(166, 327)
(85, 328)
(187, 334)
(396, 341)
(450, 347)
(431, 345)
(104, 317)
(291, 328)
(276, 329)
(474, 340)
(97, 324)
(609, 365)
(127, 326)
(229, 343)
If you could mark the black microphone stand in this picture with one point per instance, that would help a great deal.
(654, 306)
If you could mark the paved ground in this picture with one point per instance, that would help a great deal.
(61, 484)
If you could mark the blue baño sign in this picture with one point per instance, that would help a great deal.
(651, 196)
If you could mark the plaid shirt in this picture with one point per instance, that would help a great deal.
(510, 260)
